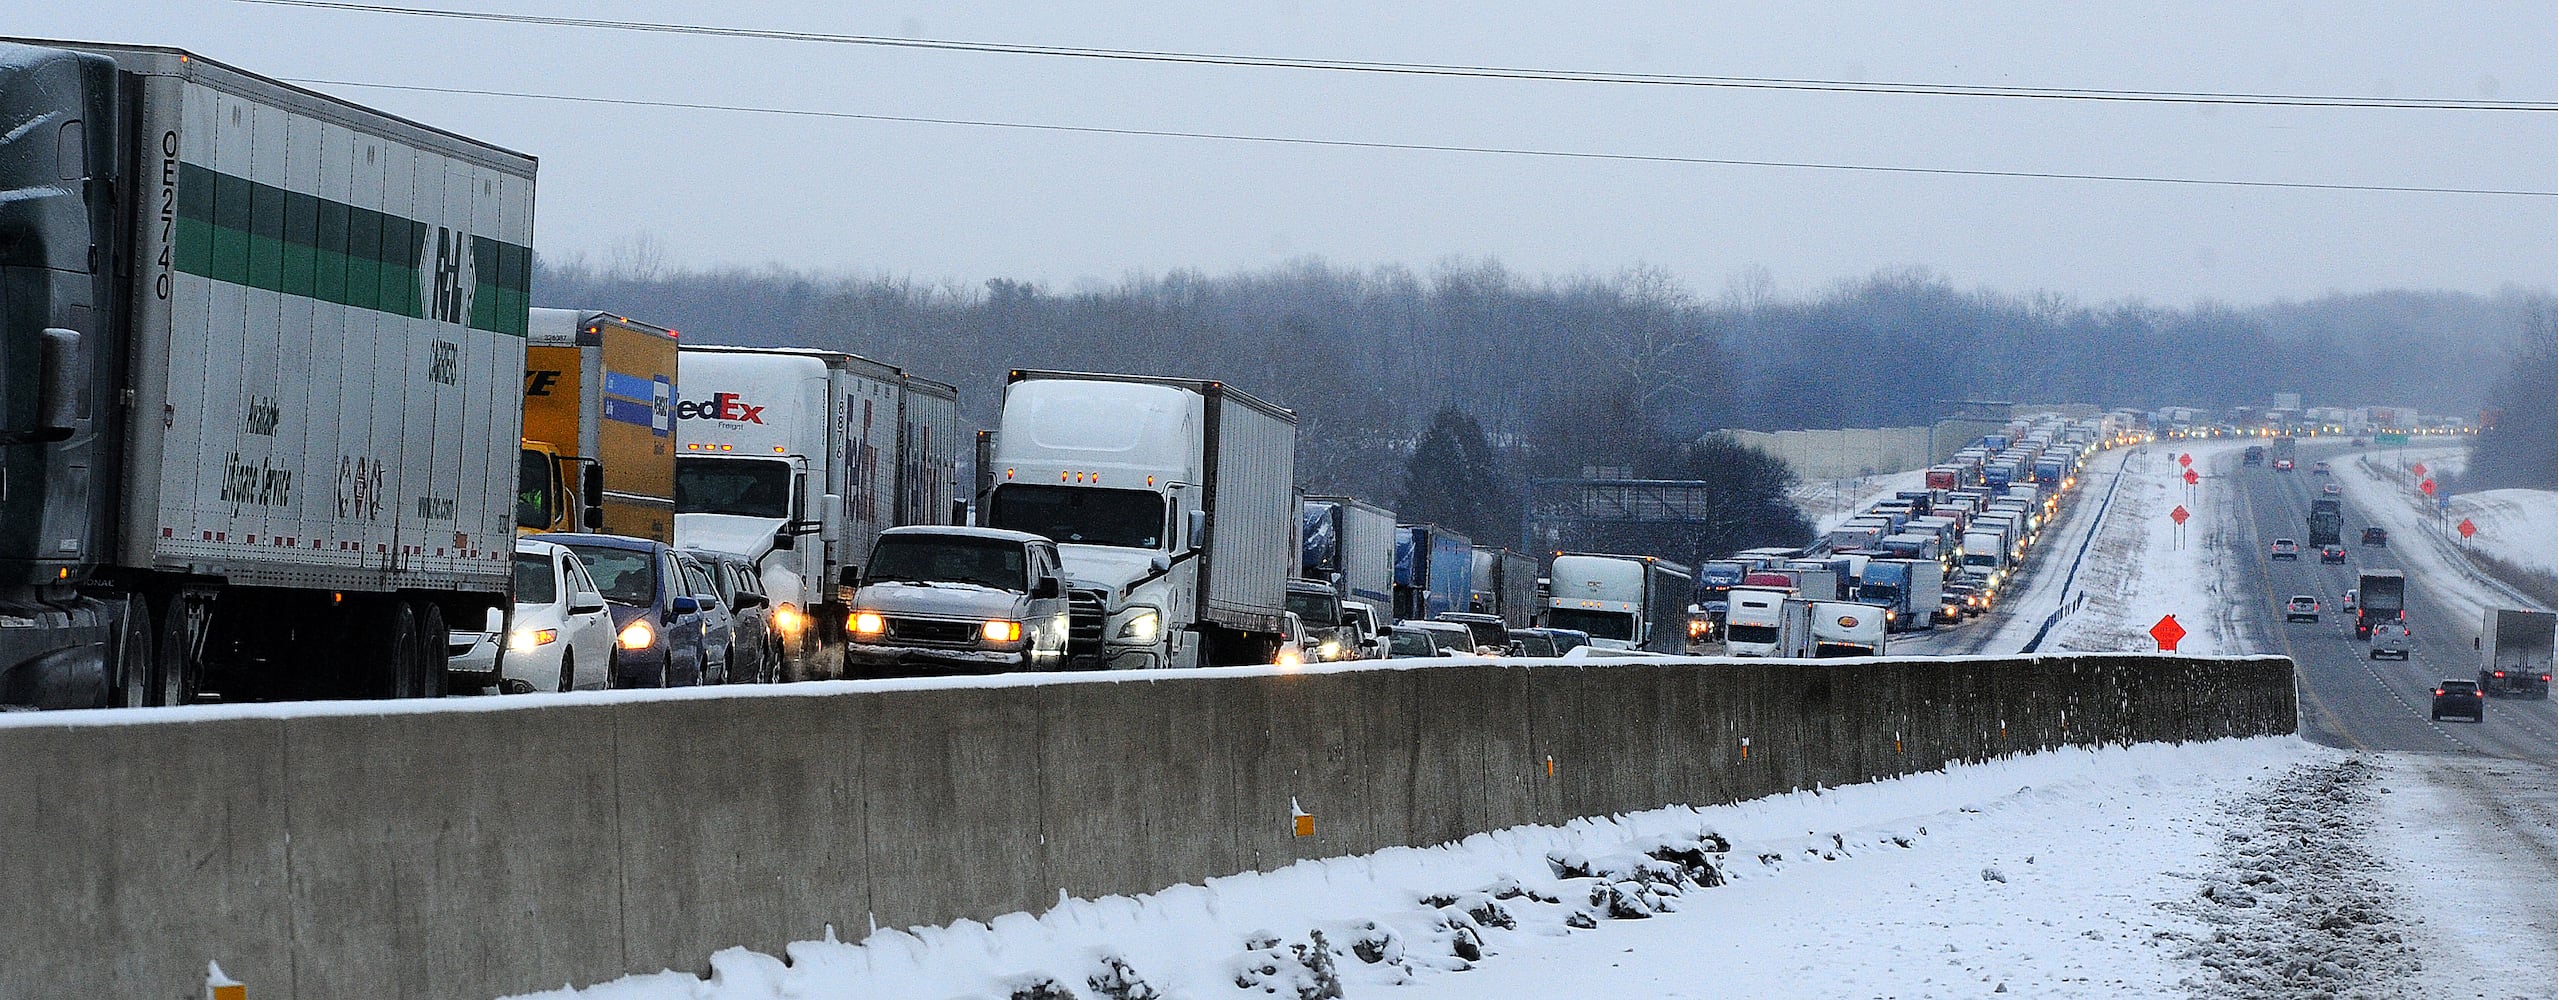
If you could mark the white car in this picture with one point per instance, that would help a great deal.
(563, 635)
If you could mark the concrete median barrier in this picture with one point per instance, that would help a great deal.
(488, 847)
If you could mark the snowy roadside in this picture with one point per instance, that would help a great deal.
(2075, 873)
(2377, 493)
(2141, 565)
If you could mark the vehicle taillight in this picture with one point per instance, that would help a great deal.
(2500, 673)
(2438, 692)
(2544, 678)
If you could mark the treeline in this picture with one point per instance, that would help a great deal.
(2521, 448)
(1557, 374)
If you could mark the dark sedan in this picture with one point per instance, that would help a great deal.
(2460, 698)
(658, 623)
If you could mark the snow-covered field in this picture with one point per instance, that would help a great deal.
(1828, 503)
(2140, 566)
(2378, 492)
(2076, 873)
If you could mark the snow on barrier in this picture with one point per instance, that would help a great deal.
(504, 845)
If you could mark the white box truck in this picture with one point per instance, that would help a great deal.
(265, 349)
(1755, 623)
(798, 459)
(1623, 602)
(1172, 502)
(1826, 629)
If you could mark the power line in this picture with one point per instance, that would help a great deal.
(1456, 70)
(1450, 148)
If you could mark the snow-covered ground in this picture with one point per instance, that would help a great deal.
(2377, 491)
(1828, 503)
(2140, 566)
(2075, 873)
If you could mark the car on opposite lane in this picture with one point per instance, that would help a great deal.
(2284, 548)
(2301, 608)
(2330, 489)
(2331, 553)
(2319, 469)
(2459, 698)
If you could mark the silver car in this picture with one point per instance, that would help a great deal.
(2389, 641)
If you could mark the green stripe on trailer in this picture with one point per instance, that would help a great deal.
(236, 230)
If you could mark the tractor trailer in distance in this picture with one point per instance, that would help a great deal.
(2514, 652)
(1623, 602)
(1173, 505)
(1348, 545)
(262, 421)
(599, 425)
(798, 459)
(2380, 596)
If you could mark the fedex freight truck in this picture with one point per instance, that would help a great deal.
(264, 350)
(798, 459)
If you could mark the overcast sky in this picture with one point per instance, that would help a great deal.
(965, 203)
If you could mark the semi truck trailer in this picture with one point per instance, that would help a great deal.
(1433, 571)
(264, 348)
(2380, 595)
(599, 425)
(2514, 652)
(1623, 602)
(1172, 503)
(798, 460)
(1349, 545)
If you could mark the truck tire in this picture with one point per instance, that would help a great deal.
(130, 682)
(174, 673)
(433, 651)
(394, 651)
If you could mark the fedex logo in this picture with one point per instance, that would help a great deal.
(721, 406)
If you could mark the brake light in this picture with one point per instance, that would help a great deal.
(2438, 692)
(2544, 678)
(2500, 673)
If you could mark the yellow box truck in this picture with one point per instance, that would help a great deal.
(599, 425)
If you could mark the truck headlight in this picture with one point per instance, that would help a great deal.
(526, 640)
(1330, 650)
(999, 630)
(637, 635)
(789, 619)
(869, 623)
(1142, 628)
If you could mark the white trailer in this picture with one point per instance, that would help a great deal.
(798, 459)
(268, 348)
(1172, 502)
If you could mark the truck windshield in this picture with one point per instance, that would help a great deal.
(535, 493)
(1317, 610)
(1750, 633)
(1600, 624)
(986, 562)
(1082, 515)
(747, 487)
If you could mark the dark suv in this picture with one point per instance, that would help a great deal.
(659, 626)
(2376, 536)
(2459, 698)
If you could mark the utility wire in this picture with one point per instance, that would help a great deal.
(1455, 70)
(1449, 148)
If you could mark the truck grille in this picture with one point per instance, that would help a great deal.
(921, 630)
(1083, 623)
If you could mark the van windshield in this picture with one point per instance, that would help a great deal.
(986, 562)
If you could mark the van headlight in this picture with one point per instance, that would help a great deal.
(1142, 627)
(1000, 630)
(868, 623)
(1330, 650)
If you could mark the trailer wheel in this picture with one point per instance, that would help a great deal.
(433, 651)
(174, 679)
(395, 651)
(130, 685)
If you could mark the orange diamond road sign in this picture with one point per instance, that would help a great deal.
(2427, 486)
(2420, 468)
(2179, 514)
(2191, 477)
(2467, 529)
(2168, 633)
(2186, 459)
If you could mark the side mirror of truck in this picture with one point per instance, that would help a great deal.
(1046, 588)
(830, 521)
(593, 517)
(1198, 530)
(786, 539)
(849, 576)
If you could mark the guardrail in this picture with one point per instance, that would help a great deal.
(477, 848)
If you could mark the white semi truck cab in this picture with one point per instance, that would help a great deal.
(1173, 508)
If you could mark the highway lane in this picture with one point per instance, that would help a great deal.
(2347, 698)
